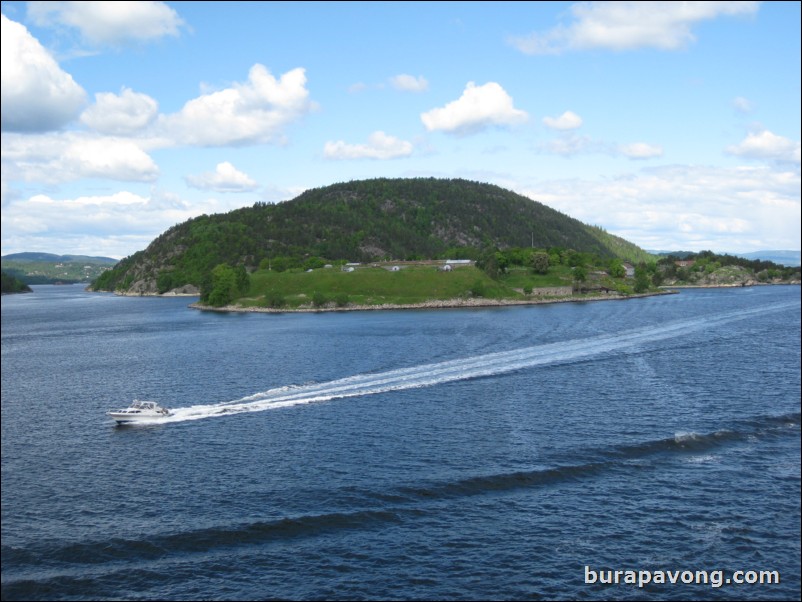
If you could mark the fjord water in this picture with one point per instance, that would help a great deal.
(442, 454)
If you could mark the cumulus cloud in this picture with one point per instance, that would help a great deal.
(120, 114)
(37, 95)
(567, 121)
(57, 158)
(109, 23)
(246, 113)
(629, 25)
(409, 83)
(686, 207)
(379, 146)
(479, 107)
(225, 178)
(641, 150)
(767, 145)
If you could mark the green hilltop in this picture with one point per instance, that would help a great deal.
(359, 221)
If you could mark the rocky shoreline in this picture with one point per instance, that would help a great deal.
(434, 304)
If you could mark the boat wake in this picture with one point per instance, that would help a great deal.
(490, 364)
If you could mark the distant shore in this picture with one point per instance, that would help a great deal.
(735, 285)
(434, 304)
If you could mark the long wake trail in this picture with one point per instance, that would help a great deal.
(490, 364)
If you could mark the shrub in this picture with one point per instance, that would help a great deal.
(319, 299)
(275, 300)
(341, 300)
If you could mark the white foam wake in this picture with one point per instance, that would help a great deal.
(490, 364)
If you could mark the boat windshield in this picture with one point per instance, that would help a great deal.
(143, 405)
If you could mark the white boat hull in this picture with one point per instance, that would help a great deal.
(122, 417)
(140, 411)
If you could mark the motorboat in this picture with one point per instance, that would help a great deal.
(140, 411)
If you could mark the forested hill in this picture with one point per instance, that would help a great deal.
(418, 218)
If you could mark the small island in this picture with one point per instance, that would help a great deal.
(409, 242)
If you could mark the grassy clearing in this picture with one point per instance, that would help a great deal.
(372, 286)
(520, 278)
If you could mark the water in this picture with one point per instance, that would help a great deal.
(445, 454)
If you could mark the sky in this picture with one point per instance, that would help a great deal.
(675, 125)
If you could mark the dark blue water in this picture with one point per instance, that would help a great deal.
(448, 454)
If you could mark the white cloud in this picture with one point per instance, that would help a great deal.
(573, 144)
(57, 158)
(641, 150)
(110, 23)
(767, 145)
(629, 25)
(379, 146)
(112, 158)
(225, 178)
(121, 114)
(114, 224)
(479, 107)
(250, 113)
(570, 144)
(685, 207)
(357, 87)
(409, 83)
(37, 95)
(743, 105)
(567, 121)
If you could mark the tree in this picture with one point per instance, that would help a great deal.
(540, 262)
(164, 281)
(616, 269)
(224, 286)
(243, 281)
(502, 262)
(489, 264)
(580, 274)
(642, 280)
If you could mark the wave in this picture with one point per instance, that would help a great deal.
(491, 364)
(394, 505)
(605, 459)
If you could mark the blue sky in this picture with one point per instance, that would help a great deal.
(674, 125)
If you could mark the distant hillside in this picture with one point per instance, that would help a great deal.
(786, 258)
(50, 257)
(710, 269)
(47, 268)
(400, 219)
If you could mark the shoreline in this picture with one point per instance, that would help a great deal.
(434, 304)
